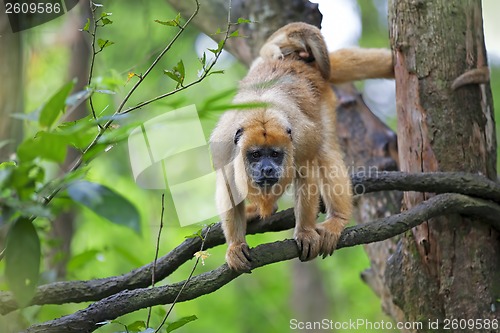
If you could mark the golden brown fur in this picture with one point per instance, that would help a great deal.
(298, 117)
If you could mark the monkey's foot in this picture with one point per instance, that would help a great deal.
(309, 243)
(238, 258)
(330, 231)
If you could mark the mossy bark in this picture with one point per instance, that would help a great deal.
(446, 268)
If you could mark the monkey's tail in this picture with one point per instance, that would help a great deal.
(352, 64)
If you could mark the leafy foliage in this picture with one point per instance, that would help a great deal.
(171, 23)
(56, 104)
(106, 203)
(22, 257)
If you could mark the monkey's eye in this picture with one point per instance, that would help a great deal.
(255, 154)
(275, 154)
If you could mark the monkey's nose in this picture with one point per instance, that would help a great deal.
(267, 171)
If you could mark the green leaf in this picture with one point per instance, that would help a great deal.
(178, 73)
(242, 20)
(171, 23)
(81, 259)
(78, 133)
(104, 43)
(25, 178)
(6, 169)
(22, 260)
(203, 59)
(55, 106)
(78, 97)
(195, 235)
(179, 323)
(235, 33)
(87, 25)
(44, 145)
(180, 68)
(171, 74)
(105, 91)
(216, 72)
(106, 203)
(128, 254)
(106, 21)
(136, 326)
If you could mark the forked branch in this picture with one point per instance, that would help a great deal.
(131, 300)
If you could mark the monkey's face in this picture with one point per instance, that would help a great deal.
(265, 165)
(267, 156)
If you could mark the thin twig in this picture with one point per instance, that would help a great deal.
(93, 33)
(153, 273)
(185, 282)
(79, 161)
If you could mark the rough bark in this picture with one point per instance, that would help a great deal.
(93, 290)
(267, 15)
(447, 267)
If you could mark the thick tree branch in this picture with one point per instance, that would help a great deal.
(93, 290)
(131, 300)
(434, 182)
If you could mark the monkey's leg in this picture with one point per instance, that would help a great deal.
(306, 209)
(336, 192)
(234, 225)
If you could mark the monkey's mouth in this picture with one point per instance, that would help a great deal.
(267, 182)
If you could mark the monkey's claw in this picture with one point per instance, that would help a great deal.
(238, 258)
(309, 243)
(330, 232)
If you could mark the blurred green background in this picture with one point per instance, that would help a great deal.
(260, 302)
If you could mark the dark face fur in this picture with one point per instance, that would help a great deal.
(265, 165)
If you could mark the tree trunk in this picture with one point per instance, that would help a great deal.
(447, 267)
(11, 90)
(63, 225)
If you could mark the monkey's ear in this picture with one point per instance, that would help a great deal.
(238, 135)
(289, 132)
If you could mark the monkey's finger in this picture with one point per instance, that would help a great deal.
(329, 244)
(306, 252)
(302, 249)
(246, 252)
(240, 264)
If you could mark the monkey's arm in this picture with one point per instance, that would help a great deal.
(233, 222)
(353, 64)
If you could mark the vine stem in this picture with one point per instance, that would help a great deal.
(153, 272)
(203, 238)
